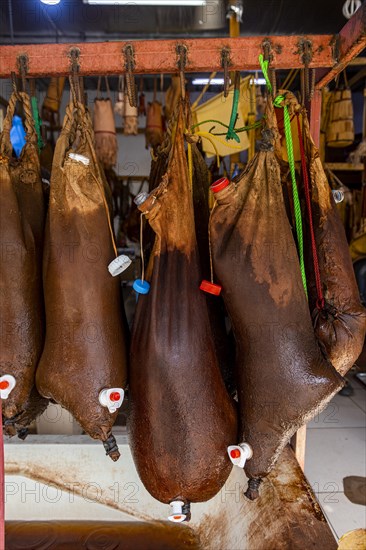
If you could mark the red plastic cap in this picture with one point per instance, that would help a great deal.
(211, 288)
(4, 384)
(219, 185)
(235, 453)
(115, 396)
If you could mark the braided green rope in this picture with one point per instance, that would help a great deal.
(264, 66)
(242, 129)
(37, 122)
(231, 134)
(290, 153)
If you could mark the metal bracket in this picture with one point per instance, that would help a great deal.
(23, 68)
(74, 56)
(335, 45)
(129, 57)
(307, 74)
(267, 50)
(306, 51)
(268, 56)
(225, 64)
(182, 53)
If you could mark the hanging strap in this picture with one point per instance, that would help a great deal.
(305, 176)
(98, 86)
(155, 88)
(106, 85)
(206, 87)
(279, 102)
(121, 84)
(338, 78)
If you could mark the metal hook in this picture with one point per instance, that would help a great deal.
(268, 56)
(225, 63)
(74, 55)
(22, 64)
(129, 56)
(308, 83)
(182, 53)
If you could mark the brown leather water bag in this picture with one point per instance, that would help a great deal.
(282, 377)
(85, 349)
(181, 417)
(21, 303)
(340, 322)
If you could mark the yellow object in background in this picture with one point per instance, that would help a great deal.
(53, 97)
(358, 247)
(219, 108)
(295, 139)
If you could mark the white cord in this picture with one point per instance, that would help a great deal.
(350, 7)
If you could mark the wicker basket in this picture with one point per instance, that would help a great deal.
(340, 131)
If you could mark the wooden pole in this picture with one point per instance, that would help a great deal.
(159, 56)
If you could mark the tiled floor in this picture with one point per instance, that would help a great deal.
(336, 448)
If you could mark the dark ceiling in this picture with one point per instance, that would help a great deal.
(73, 21)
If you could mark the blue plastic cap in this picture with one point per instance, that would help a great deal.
(17, 135)
(142, 287)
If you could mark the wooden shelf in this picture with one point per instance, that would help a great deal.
(344, 166)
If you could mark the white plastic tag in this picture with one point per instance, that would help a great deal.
(79, 158)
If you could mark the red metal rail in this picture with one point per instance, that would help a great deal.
(348, 43)
(159, 56)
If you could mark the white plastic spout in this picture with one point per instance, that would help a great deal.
(119, 264)
(177, 515)
(7, 384)
(111, 398)
(338, 195)
(239, 454)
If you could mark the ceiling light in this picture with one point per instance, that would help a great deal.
(260, 81)
(51, 2)
(220, 81)
(204, 81)
(133, 3)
